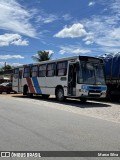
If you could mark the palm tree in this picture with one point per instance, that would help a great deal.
(42, 56)
(6, 67)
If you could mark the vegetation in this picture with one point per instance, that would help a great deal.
(42, 56)
(6, 68)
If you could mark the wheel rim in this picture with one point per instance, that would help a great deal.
(60, 94)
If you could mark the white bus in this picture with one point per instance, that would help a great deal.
(76, 77)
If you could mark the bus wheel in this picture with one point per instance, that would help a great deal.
(83, 99)
(25, 90)
(60, 94)
(45, 96)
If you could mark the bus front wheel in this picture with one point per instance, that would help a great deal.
(60, 94)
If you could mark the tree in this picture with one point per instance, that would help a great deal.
(6, 67)
(42, 56)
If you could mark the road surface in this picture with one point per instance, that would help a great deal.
(45, 125)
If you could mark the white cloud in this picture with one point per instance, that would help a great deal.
(14, 17)
(73, 50)
(88, 42)
(44, 18)
(15, 39)
(108, 42)
(91, 3)
(76, 30)
(104, 29)
(115, 33)
(103, 33)
(109, 49)
(115, 6)
(7, 56)
(11, 64)
(20, 42)
(89, 38)
(67, 17)
(2, 63)
(15, 64)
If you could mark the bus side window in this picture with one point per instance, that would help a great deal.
(26, 72)
(16, 73)
(51, 70)
(20, 74)
(61, 68)
(42, 70)
(34, 71)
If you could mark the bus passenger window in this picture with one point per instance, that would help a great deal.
(16, 73)
(26, 72)
(62, 68)
(34, 71)
(42, 70)
(51, 70)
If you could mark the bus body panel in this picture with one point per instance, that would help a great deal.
(47, 85)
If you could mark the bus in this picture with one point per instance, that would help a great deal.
(75, 77)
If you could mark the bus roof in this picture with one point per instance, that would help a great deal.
(56, 60)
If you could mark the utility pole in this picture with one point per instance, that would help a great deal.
(5, 66)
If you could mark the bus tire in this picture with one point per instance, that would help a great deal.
(60, 94)
(82, 99)
(25, 90)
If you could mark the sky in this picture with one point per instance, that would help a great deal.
(63, 27)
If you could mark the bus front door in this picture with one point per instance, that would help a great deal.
(72, 79)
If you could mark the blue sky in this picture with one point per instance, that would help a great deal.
(62, 27)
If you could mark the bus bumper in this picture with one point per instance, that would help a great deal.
(92, 91)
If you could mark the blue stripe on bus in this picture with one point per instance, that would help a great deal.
(36, 85)
(98, 88)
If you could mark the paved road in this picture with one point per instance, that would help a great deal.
(38, 125)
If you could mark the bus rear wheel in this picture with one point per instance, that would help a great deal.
(60, 94)
(25, 90)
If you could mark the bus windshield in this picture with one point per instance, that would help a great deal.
(91, 73)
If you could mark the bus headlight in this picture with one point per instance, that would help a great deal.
(83, 90)
(83, 87)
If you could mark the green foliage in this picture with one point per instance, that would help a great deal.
(6, 68)
(42, 56)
